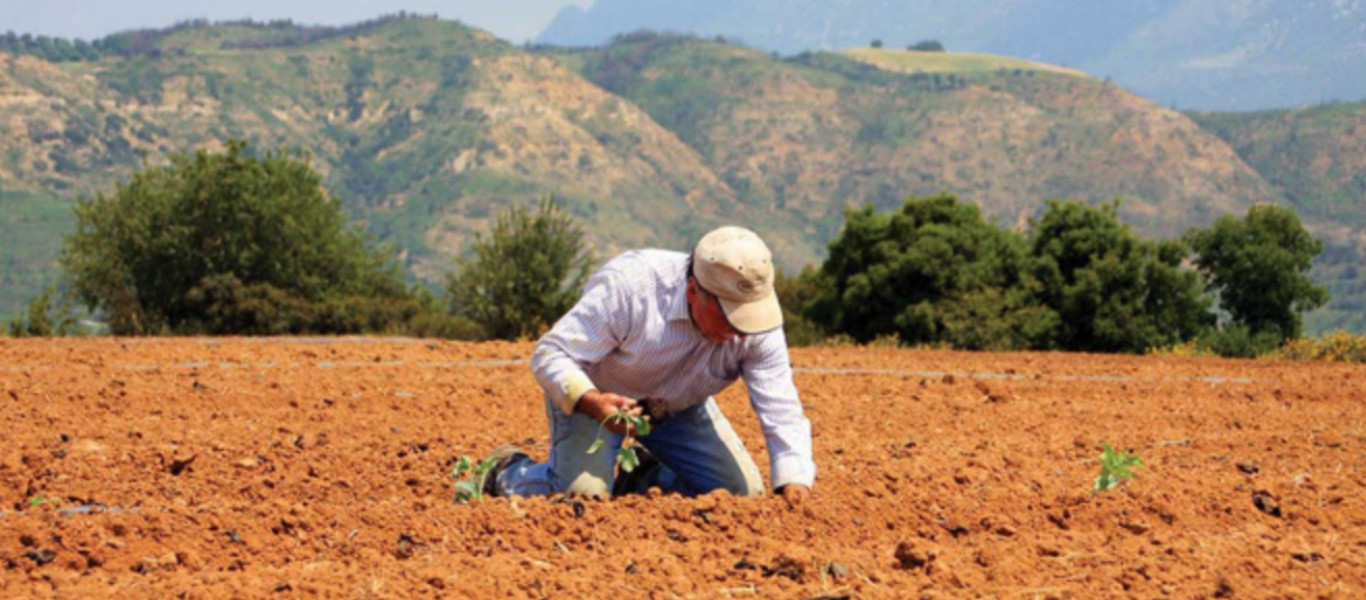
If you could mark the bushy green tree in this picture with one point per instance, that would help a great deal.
(931, 271)
(927, 46)
(527, 272)
(1259, 266)
(795, 295)
(49, 314)
(1113, 291)
(230, 243)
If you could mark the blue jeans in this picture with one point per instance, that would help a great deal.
(697, 447)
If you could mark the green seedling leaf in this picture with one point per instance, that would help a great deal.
(642, 426)
(465, 491)
(470, 478)
(628, 459)
(636, 428)
(462, 466)
(1115, 467)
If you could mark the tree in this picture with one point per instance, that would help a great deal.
(526, 274)
(1113, 291)
(876, 44)
(795, 296)
(44, 319)
(927, 46)
(1260, 268)
(230, 243)
(932, 271)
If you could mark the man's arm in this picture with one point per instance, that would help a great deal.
(588, 332)
(768, 374)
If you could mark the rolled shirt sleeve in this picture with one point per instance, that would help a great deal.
(773, 394)
(588, 332)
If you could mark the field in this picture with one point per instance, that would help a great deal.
(243, 468)
(962, 63)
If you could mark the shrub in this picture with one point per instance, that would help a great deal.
(524, 275)
(1338, 346)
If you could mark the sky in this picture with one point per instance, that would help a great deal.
(512, 20)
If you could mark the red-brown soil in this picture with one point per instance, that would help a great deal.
(265, 468)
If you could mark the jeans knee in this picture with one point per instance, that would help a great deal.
(745, 488)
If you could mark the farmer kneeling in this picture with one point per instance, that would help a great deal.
(657, 333)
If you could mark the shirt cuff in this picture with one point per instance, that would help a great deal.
(575, 385)
(792, 468)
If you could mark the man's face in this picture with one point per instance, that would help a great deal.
(707, 314)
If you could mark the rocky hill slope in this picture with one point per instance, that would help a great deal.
(426, 128)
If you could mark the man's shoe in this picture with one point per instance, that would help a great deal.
(503, 456)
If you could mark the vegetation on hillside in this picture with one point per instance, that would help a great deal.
(152, 42)
(425, 130)
(1316, 159)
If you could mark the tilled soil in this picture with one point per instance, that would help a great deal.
(241, 468)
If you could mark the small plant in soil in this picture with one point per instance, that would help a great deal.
(636, 427)
(1115, 467)
(39, 500)
(469, 479)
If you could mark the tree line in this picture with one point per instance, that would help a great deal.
(240, 243)
(147, 42)
(935, 272)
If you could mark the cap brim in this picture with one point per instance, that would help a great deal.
(760, 316)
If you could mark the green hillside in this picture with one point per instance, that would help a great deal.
(814, 133)
(29, 223)
(1316, 159)
(425, 129)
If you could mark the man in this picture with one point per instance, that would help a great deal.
(659, 333)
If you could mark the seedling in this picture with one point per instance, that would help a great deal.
(469, 479)
(39, 500)
(1115, 467)
(636, 427)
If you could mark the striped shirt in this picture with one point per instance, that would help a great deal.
(631, 334)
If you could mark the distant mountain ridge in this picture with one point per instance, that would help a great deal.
(1206, 54)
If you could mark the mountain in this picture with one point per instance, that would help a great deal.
(1209, 54)
(814, 133)
(425, 129)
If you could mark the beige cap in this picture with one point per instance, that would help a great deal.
(736, 266)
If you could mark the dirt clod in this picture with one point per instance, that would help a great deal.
(407, 547)
(915, 555)
(837, 571)
(41, 557)
(1267, 504)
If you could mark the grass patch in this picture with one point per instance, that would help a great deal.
(907, 61)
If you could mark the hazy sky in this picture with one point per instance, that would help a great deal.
(513, 20)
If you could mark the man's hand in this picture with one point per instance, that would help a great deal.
(795, 493)
(598, 406)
